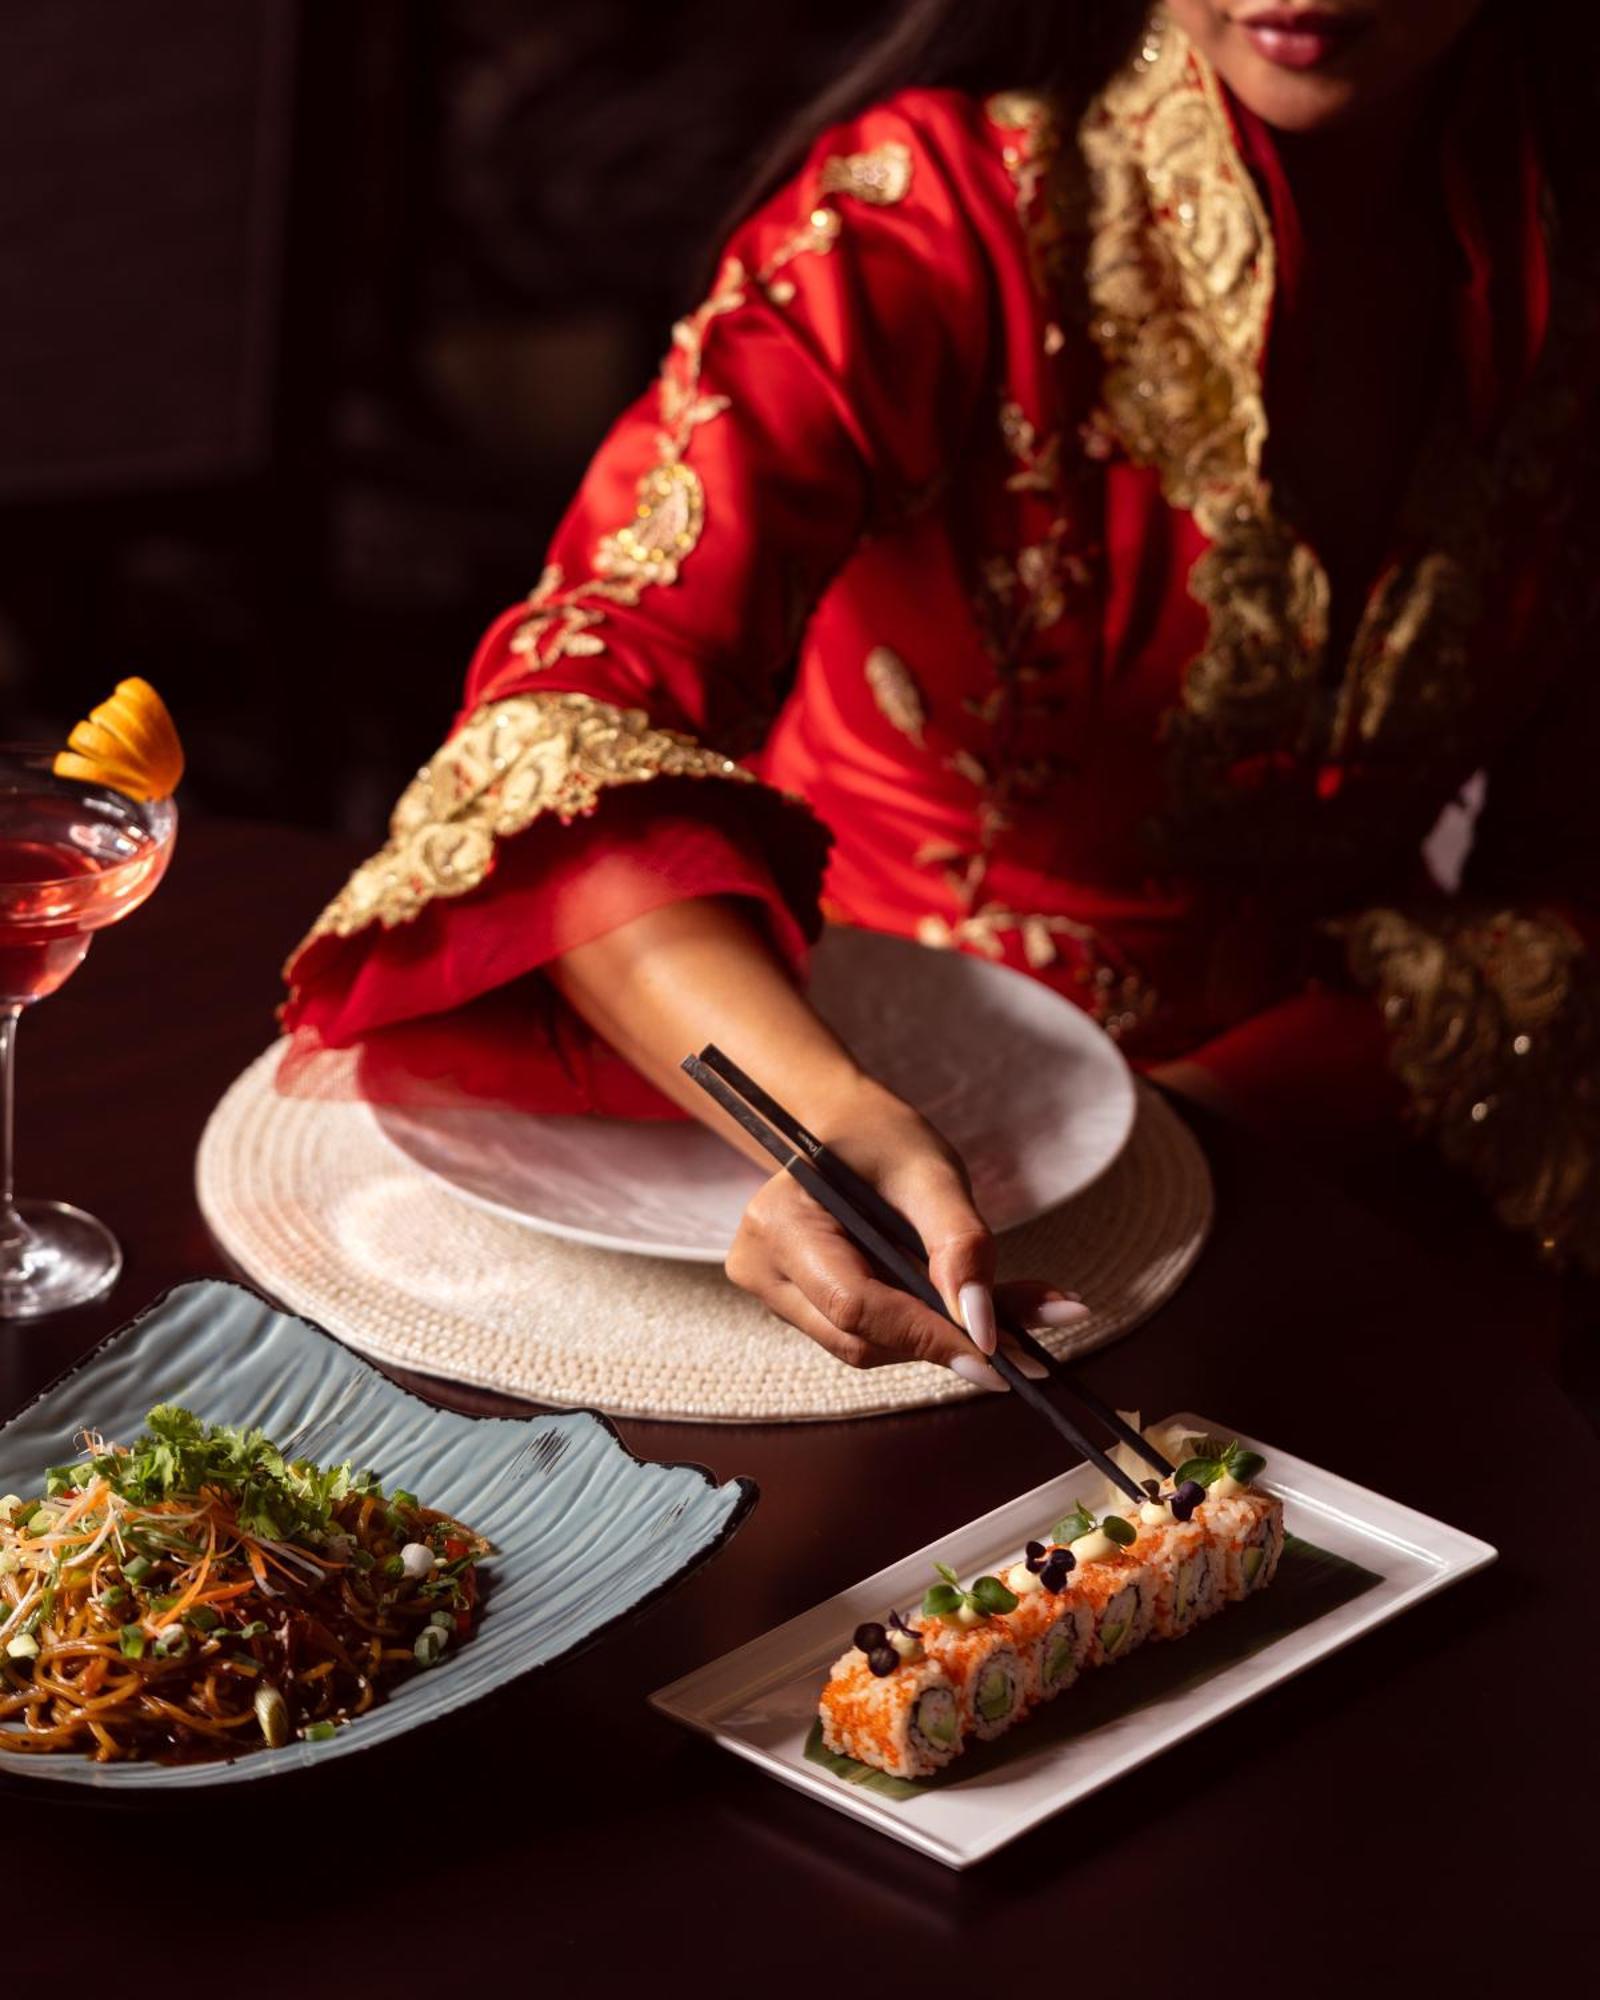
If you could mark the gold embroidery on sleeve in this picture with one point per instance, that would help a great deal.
(895, 690)
(1496, 1027)
(669, 505)
(881, 176)
(512, 762)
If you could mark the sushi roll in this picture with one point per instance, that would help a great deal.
(969, 1633)
(1053, 1626)
(1246, 1530)
(1111, 1578)
(889, 1704)
(1245, 1525)
(1186, 1567)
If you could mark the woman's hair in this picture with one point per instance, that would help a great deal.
(1066, 48)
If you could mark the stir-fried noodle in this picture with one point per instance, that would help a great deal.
(198, 1593)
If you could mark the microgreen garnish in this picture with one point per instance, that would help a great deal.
(987, 1598)
(279, 1498)
(1079, 1522)
(1209, 1459)
(1072, 1527)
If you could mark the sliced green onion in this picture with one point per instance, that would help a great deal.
(430, 1643)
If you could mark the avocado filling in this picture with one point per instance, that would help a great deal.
(1057, 1659)
(1193, 1579)
(1124, 1609)
(994, 1694)
(936, 1717)
(1253, 1561)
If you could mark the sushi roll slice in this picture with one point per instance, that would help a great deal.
(1246, 1530)
(888, 1704)
(1244, 1524)
(969, 1633)
(1186, 1567)
(1112, 1579)
(1053, 1626)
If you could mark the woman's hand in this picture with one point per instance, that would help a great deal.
(696, 972)
(795, 1258)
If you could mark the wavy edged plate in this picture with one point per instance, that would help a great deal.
(585, 1534)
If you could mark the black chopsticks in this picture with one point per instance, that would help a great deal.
(879, 1228)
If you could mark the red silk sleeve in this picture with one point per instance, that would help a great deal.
(593, 772)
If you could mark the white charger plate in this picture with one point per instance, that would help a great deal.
(1034, 1096)
(761, 1701)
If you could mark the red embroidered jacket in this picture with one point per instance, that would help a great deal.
(948, 518)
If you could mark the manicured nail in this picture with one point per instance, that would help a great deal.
(1060, 1312)
(971, 1369)
(1034, 1370)
(977, 1315)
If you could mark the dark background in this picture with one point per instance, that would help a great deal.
(311, 313)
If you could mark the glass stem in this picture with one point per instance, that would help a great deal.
(14, 1232)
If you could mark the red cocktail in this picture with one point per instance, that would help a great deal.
(74, 857)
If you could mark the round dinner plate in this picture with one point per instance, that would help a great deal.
(1036, 1099)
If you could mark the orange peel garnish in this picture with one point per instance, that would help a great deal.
(128, 743)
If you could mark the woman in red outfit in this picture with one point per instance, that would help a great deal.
(1118, 488)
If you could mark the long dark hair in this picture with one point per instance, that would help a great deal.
(1065, 48)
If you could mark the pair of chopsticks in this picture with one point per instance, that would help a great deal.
(878, 1228)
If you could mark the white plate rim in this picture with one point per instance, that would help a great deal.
(700, 1699)
(638, 1246)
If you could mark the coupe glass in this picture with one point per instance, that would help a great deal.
(73, 858)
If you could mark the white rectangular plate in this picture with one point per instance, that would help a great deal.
(761, 1700)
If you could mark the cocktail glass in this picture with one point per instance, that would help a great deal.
(73, 858)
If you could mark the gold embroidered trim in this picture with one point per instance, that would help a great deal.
(1181, 272)
(1496, 1026)
(512, 762)
(881, 176)
(894, 688)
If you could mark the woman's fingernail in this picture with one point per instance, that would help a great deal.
(971, 1369)
(1034, 1370)
(977, 1315)
(1060, 1312)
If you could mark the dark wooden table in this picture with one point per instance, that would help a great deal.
(1420, 1806)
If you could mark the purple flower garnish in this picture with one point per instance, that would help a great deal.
(1185, 1500)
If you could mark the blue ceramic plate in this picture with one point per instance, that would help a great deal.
(584, 1533)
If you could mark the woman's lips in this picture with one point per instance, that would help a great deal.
(1296, 38)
